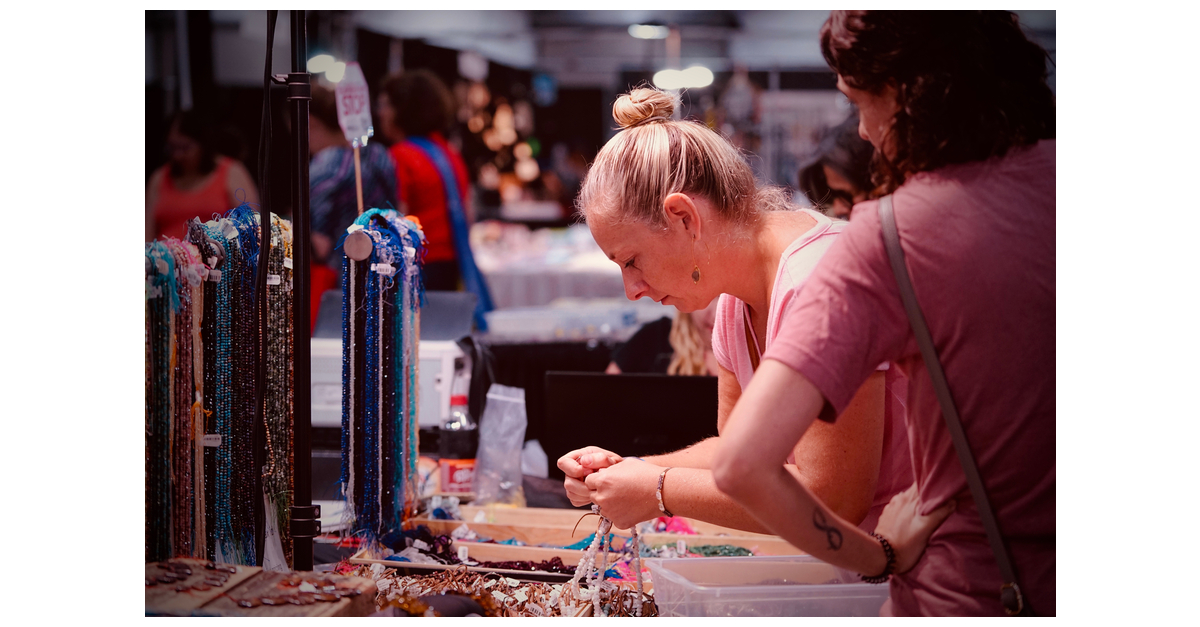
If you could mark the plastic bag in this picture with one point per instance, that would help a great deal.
(534, 461)
(501, 434)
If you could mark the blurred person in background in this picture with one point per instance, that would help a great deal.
(838, 173)
(415, 107)
(196, 182)
(333, 196)
(682, 346)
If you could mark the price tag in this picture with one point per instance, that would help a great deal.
(462, 553)
(287, 262)
(211, 440)
(354, 106)
(421, 545)
(214, 276)
(681, 546)
(274, 279)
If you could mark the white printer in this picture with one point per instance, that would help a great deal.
(435, 380)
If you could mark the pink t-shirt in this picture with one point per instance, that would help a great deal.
(979, 244)
(733, 353)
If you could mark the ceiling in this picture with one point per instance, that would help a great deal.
(580, 48)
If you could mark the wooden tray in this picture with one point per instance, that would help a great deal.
(536, 526)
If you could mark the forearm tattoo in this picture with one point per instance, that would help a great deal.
(832, 533)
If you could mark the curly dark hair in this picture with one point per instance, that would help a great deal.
(323, 107)
(970, 84)
(422, 102)
(844, 152)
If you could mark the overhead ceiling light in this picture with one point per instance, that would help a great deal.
(320, 63)
(336, 71)
(694, 77)
(668, 79)
(697, 76)
(649, 31)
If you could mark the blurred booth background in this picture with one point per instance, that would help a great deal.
(533, 93)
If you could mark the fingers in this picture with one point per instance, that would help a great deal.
(939, 515)
(577, 492)
(599, 459)
(581, 462)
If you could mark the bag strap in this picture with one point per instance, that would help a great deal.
(1010, 592)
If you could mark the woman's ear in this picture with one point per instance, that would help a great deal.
(682, 213)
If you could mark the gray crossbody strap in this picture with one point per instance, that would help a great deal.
(1010, 592)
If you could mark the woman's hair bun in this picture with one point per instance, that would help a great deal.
(642, 105)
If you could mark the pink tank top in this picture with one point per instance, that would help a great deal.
(175, 206)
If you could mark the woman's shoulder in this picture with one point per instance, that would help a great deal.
(728, 319)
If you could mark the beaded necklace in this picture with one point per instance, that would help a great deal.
(160, 292)
(208, 239)
(245, 332)
(183, 433)
(379, 374)
(278, 415)
(222, 393)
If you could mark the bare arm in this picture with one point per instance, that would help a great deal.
(837, 462)
(699, 455)
(239, 179)
(779, 406)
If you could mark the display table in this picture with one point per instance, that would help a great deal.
(195, 591)
(526, 268)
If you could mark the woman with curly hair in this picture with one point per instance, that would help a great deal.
(957, 107)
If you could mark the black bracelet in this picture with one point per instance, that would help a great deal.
(891, 562)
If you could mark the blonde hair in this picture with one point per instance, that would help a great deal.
(655, 156)
(687, 342)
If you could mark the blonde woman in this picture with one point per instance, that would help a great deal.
(679, 346)
(677, 207)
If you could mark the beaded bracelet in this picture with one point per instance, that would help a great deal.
(891, 562)
(658, 493)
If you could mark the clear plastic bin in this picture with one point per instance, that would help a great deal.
(798, 585)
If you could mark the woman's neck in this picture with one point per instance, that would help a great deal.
(754, 262)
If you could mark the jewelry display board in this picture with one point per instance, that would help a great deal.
(267, 593)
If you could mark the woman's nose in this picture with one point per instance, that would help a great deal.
(634, 288)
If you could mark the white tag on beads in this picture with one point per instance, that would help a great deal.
(420, 545)
(287, 262)
(211, 440)
(162, 266)
(212, 261)
(230, 231)
(520, 596)
(462, 553)
(535, 609)
(274, 279)
(214, 276)
(681, 546)
(384, 269)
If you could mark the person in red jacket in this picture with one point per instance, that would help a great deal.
(416, 104)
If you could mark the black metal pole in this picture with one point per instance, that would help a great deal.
(306, 522)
